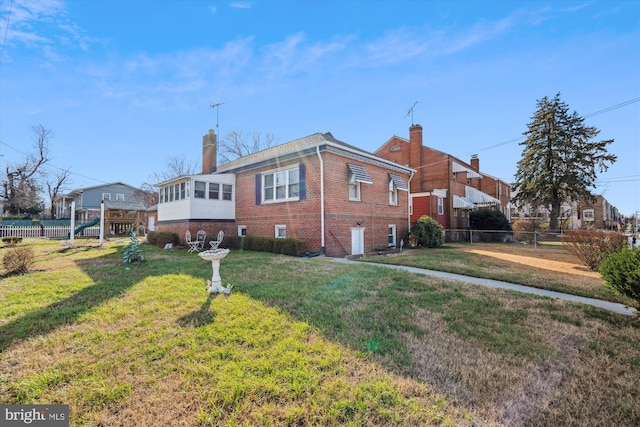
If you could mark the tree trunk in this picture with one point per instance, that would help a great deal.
(553, 217)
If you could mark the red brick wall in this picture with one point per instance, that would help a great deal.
(303, 218)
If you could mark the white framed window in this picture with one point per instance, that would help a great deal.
(120, 197)
(171, 193)
(393, 193)
(283, 185)
(161, 195)
(455, 212)
(391, 235)
(354, 187)
(214, 191)
(227, 191)
(199, 189)
(106, 196)
(281, 231)
(440, 206)
(242, 230)
(588, 215)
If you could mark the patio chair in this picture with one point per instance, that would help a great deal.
(201, 237)
(215, 243)
(194, 245)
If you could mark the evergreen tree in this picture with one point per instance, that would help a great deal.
(559, 158)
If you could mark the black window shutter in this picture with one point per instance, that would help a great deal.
(303, 181)
(258, 189)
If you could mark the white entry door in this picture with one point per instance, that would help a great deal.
(357, 241)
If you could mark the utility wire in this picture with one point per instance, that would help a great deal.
(596, 113)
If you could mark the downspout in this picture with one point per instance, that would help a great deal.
(321, 199)
(409, 204)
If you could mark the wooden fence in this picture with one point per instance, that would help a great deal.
(52, 231)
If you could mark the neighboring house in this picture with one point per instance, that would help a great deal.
(339, 199)
(444, 187)
(588, 214)
(599, 214)
(124, 209)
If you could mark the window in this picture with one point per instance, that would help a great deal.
(588, 214)
(183, 191)
(242, 230)
(166, 194)
(455, 212)
(106, 196)
(199, 189)
(391, 241)
(354, 187)
(161, 195)
(176, 190)
(393, 193)
(214, 191)
(278, 186)
(440, 206)
(120, 197)
(357, 175)
(227, 190)
(171, 193)
(281, 231)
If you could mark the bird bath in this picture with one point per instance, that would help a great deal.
(215, 256)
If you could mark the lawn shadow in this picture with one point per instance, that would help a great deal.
(201, 317)
(66, 311)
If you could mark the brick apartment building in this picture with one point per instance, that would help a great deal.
(444, 187)
(339, 199)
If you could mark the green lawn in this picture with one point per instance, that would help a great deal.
(301, 342)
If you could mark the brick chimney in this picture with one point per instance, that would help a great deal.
(209, 152)
(415, 156)
(475, 162)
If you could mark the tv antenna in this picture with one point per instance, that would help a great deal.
(217, 107)
(410, 111)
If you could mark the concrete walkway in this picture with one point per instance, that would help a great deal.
(606, 305)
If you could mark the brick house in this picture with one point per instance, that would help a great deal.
(444, 187)
(339, 199)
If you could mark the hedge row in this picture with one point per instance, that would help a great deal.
(161, 238)
(288, 246)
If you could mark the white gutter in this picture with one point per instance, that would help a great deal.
(321, 198)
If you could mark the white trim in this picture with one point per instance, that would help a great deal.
(280, 227)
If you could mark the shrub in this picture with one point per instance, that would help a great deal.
(12, 240)
(523, 230)
(132, 251)
(591, 247)
(621, 272)
(18, 260)
(289, 246)
(492, 220)
(161, 238)
(427, 232)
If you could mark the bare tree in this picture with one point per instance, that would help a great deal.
(238, 144)
(55, 187)
(146, 194)
(19, 187)
(177, 165)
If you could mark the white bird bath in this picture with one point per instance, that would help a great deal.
(215, 256)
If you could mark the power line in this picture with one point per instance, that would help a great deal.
(596, 113)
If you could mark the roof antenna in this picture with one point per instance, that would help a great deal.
(410, 111)
(217, 107)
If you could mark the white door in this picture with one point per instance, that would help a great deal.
(357, 241)
(152, 223)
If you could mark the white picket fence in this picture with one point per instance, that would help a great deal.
(53, 231)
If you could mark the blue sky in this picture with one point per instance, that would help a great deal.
(125, 84)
